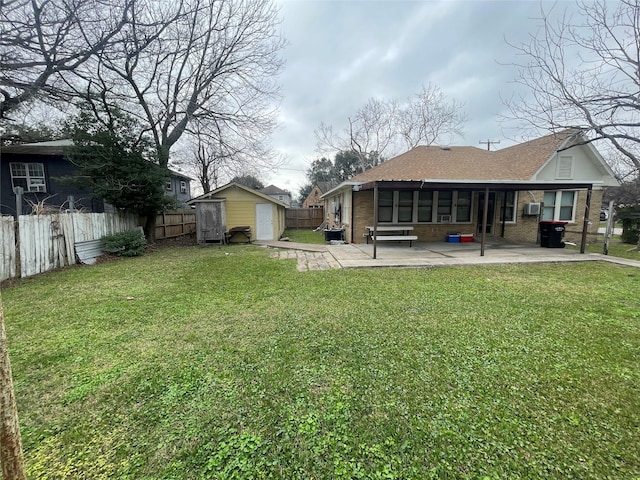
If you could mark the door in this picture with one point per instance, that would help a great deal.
(264, 221)
(490, 212)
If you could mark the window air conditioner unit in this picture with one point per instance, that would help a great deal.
(532, 209)
(444, 218)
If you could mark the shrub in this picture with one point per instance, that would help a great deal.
(630, 217)
(125, 244)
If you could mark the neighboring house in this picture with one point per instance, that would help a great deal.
(178, 186)
(243, 206)
(37, 167)
(314, 199)
(439, 190)
(277, 194)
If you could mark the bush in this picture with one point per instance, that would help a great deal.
(125, 244)
(630, 217)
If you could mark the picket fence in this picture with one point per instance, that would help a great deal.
(46, 242)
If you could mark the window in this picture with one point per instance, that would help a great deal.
(405, 206)
(385, 206)
(509, 204)
(463, 207)
(29, 176)
(169, 185)
(445, 201)
(425, 206)
(559, 205)
(183, 186)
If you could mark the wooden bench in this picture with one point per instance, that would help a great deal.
(385, 233)
(395, 238)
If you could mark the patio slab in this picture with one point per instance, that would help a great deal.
(431, 254)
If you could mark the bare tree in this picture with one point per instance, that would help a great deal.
(383, 127)
(190, 61)
(429, 116)
(584, 73)
(43, 42)
(215, 152)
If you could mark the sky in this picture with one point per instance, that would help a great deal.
(342, 53)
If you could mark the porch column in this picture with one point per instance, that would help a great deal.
(375, 218)
(585, 223)
(484, 221)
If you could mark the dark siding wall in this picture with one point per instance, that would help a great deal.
(57, 191)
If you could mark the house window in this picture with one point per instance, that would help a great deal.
(510, 202)
(385, 206)
(463, 207)
(405, 206)
(445, 202)
(559, 205)
(425, 206)
(169, 185)
(183, 186)
(29, 176)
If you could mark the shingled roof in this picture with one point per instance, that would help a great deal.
(517, 163)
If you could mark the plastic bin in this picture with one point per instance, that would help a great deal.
(453, 238)
(552, 233)
(466, 237)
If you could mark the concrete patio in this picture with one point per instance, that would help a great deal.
(428, 254)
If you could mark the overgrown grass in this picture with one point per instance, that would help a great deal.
(304, 236)
(225, 363)
(616, 249)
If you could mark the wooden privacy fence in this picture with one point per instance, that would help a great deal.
(46, 242)
(304, 217)
(175, 224)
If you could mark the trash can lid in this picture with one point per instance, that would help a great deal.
(553, 222)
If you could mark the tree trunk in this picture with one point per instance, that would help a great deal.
(11, 455)
(150, 227)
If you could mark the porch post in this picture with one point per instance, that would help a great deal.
(484, 220)
(585, 223)
(375, 218)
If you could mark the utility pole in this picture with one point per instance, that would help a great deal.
(488, 143)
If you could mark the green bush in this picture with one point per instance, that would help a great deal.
(630, 217)
(125, 244)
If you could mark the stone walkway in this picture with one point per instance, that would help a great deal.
(308, 260)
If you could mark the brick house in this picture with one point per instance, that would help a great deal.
(439, 190)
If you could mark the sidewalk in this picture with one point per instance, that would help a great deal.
(427, 254)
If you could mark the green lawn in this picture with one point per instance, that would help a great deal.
(223, 363)
(305, 236)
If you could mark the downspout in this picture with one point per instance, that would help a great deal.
(375, 219)
(585, 223)
(484, 221)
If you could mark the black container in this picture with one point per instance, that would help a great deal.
(333, 234)
(552, 233)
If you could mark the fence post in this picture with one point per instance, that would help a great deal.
(19, 191)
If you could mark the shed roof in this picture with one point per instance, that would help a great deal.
(222, 189)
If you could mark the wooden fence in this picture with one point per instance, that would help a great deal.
(46, 242)
(175, 224)
(304, 217)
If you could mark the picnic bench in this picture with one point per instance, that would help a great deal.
(388, 233)
(244, 231)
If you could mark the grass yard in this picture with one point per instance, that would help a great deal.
(224, 363)
(305, 236)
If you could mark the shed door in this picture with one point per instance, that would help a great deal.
(264, 221)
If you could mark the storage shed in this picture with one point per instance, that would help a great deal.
(242, 206)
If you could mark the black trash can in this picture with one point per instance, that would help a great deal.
(333, 234)
(552, 233)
